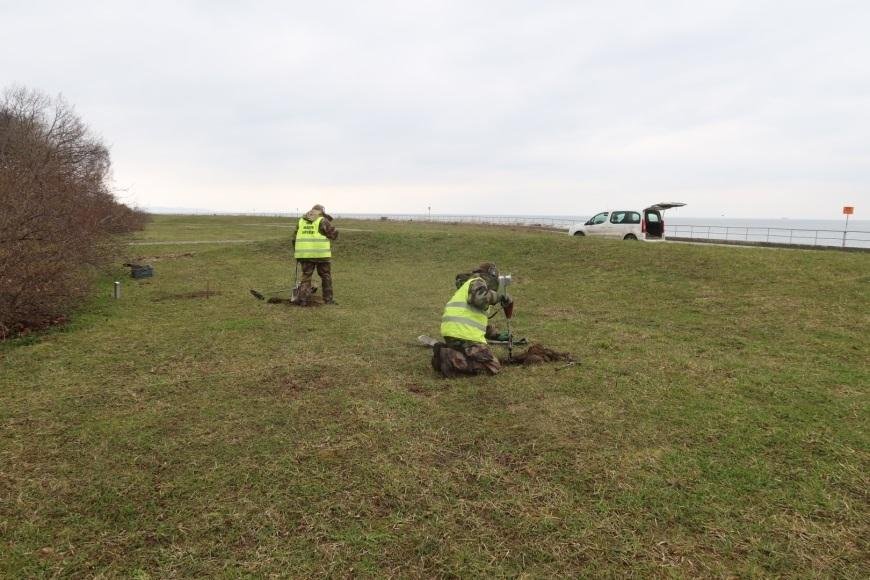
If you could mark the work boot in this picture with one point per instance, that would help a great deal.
(441, 360)
(436, 357)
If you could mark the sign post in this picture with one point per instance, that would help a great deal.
(847, 211)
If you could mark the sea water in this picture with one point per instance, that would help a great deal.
(783, 231)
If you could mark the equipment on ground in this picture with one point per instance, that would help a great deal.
(140, 270)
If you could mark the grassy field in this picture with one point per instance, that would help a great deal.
(717, 425)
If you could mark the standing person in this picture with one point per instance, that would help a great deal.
(465, 325)
(312, 250)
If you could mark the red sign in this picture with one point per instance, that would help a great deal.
(848, 210)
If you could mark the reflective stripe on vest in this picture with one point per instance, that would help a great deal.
(462, 320)
(310, 243)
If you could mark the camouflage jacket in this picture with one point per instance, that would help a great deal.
(480, 296)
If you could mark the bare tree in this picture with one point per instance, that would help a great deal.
(58, 216)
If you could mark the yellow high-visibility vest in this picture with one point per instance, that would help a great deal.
(310, 243)
(462, 320)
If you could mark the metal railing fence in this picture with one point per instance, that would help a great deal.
(771, 235)
(528, 221)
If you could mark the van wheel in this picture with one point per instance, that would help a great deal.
(581, 234)
(630, 237)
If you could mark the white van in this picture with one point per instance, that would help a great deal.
(647, 224)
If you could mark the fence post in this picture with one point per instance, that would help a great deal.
(844, 238)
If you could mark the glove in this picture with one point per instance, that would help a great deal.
(507, 304)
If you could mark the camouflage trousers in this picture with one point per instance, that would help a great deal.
(457, 357)
(324, 270)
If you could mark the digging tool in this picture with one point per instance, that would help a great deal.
(262, 294)
(508, 310)
(510, 340)
(507, 306)
(295, 282)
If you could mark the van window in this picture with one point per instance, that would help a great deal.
(652, 217)
(600, 218)
(625, 217)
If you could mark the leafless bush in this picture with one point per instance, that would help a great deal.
(58, 217)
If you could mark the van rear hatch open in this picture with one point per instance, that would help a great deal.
(666, 205)
(653, 224)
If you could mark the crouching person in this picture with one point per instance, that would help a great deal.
(465, 328)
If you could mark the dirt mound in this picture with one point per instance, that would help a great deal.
(538, 353)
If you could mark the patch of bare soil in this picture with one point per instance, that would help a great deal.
(284, 384)
(418, 390)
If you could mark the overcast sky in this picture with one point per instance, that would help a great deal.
(738, 108)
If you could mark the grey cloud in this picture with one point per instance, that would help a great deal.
(209, 102)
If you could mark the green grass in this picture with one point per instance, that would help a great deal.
(717, 425)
